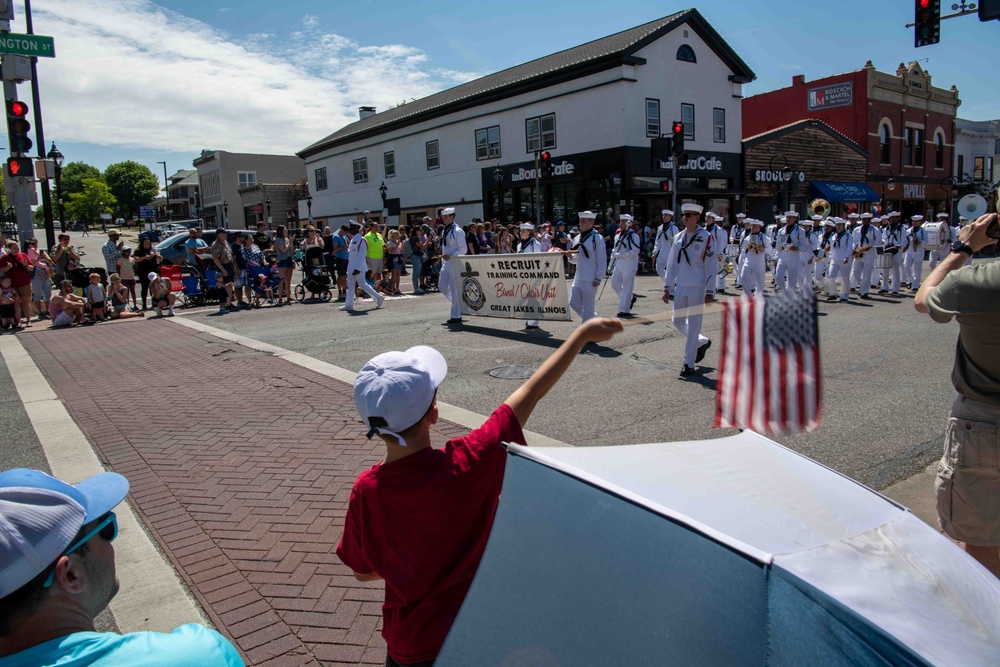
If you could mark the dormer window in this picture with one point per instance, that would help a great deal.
(686, 53)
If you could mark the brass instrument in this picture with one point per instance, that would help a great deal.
(820, 207)
(752, 247)
(858, 253)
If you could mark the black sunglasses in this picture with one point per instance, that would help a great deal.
(107, 528)
(688, 215)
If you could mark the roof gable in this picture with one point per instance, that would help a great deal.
(778, 132)
(595, 56)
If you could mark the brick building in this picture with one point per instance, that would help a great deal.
(822, 163)
(906, 125)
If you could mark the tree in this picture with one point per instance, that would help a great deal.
(132, 184)
(86, 205)
(71, 178)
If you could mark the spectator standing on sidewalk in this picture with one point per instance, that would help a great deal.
(418, 247)
(126, 271)
(195, 247)
(394, 253)
(262, 238)
(57, 573)
(41, 279)
(968, 478)
(376, 249)
(62, 255)
(147, 262)
(16, 265)
(421, 519)
(284, 247)
(112, 251)
(222, 257)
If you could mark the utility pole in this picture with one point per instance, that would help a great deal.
(538, 190)
(50, 233)
(19, 187)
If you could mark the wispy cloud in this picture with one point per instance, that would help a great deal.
(763, 27)
(133, 74)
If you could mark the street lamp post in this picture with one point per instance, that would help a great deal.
(57, 157)
(225, 214)
(889, 181)
(498, 179)
(950, 182)
(100, 214)
(267, 203)
(166, 187)
(309, 206)
(786, 177)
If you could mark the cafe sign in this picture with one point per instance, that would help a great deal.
(565, 168)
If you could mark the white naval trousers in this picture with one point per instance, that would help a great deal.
(839, 272)
(582, 296)
(863, 267)
(805, 270)
(937, 255)
(752, 274)
(819, 270)
(623, 281)
(661, 262)
(913, 266)
(355, 281)
(689, 304)
(893, 277)
(789, 266)
(450, 287)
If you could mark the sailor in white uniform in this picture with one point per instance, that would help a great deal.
(664, 238)
(626, 256)
(453, 246)
(841, 246)
(591, 259)
(753, 264)
(866, 239)
(720, 238)
(877, 274)
(895, 244)
(945, 238)
(808, 254)
(525, 244)
(822, 264)
(790, 240)
(357, 265)
(913, 262)
(692, 264)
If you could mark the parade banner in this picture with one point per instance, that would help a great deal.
(520, 287)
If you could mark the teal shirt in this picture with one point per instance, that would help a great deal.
(187, 645)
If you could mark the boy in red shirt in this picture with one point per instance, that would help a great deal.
(420, 519)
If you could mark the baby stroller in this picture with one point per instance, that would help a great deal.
(315, 277)
(263, 284)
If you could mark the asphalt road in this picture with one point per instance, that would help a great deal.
(886, 373)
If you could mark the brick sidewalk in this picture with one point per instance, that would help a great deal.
(241, 467)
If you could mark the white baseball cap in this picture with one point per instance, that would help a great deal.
(153, 275)
(41, 515)
(393, 391)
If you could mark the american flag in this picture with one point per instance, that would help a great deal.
(769, 378)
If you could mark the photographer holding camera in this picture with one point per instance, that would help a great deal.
(968, 478)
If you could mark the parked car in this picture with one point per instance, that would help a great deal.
(172, 249)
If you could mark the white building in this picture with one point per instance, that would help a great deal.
(977, 150)
(595, 107)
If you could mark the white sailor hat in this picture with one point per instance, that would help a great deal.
(741, 215)
(448, 211)
(866, 214)
(587, 214)
(710, 215)
(893, 214)
(839, 221)
(747, 220)
(853, 216)
(354, 223)
(942, 214)
(829, 222)
(917, 218)
(806, 222)
(666, 211)
(692, 208)
(876, 219)
(817, 218)
(962, 218)
(782, 219)
(526, 225)
(791, 213)
(754, 221)
(625, 216)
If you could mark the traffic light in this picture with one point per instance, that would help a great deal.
(546, 164)
(18, 126)
(20, 167)
(664, 186)
(927, 22)
(677, 139)
(989, 10)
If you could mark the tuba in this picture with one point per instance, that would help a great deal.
(820, 207)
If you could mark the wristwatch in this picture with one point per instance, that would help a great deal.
(959, 246)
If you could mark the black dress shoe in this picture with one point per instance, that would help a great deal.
(833, 298)
(530, 326)
(865, 296)
(883, 291)
(686, 371)
(701, 352)
(624, 315)
(632, 305)
(455, 320)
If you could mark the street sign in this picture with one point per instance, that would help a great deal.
(147, 211)
(28, 45)
(105, 216)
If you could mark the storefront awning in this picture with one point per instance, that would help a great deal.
(835, 191)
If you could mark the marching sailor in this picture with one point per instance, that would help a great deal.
(739, 230)
(913, 262)
(790, 240)
(877, 274)
(626, 258)
(808, 253)
(841, 246)
(528, 243)
(664, 238)
(719, 240)
(822, 264)
(895, 243)
(753, 249)
(866, 238)
(357, 264)
(453, 245)
(591, 261)
(944, 241)
(692, 264)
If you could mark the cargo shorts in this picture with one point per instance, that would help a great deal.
(968, 477)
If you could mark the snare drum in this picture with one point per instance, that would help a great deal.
(732, 252)
(933, 230)
(883, 260)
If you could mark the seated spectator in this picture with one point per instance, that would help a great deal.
(66, 308)
(119, 299)
(57, 572)
(161, 291)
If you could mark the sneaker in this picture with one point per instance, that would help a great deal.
(346, 307)
(701, 352)
(159, 313)
(170, 313)
(222, 311)
(378, 301)
(419, 290)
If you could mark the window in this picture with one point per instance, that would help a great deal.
(540, 132)
(488, 143)
(246, 178)
(361, 170)
(390, 163)
(996, 147)
(433, 158)
(918, 147)
(687, 117)
(652, 118)
(321, 179)
(978, 169)
(719, 126)
(686, 53)
(884, 138)
(939, 151)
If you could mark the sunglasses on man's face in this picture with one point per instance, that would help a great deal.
(689, 215)
(107, 528)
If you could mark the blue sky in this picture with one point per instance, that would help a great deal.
(151, 81)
